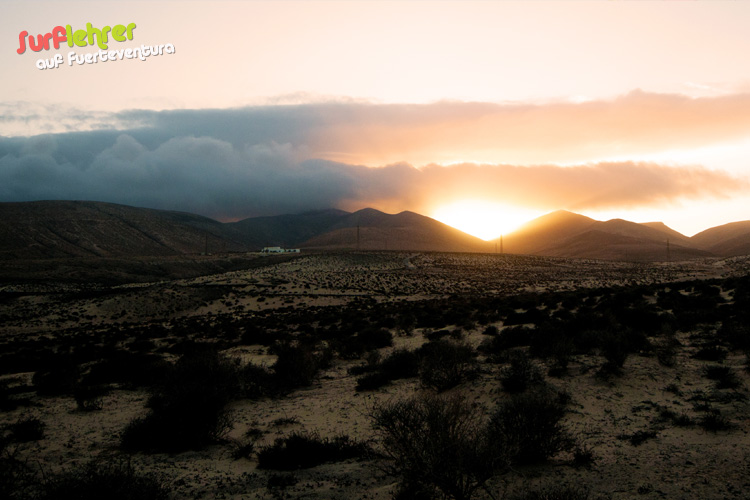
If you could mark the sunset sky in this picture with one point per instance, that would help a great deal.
(480, 114)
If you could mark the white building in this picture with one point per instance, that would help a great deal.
(268, 250)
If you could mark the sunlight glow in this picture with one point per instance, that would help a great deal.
(483, 219)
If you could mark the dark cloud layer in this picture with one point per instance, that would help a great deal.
(244, 162)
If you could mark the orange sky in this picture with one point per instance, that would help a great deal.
(633, 109)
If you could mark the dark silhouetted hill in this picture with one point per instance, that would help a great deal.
(727, 241)
(403, 231)
(59, 229)
(286, 230)
(565, 234)
(54, 229)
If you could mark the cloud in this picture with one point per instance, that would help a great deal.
(215, 178)
(266, 160)
(634, 125)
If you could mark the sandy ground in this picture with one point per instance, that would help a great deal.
(679, 462)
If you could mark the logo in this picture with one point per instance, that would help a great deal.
(89, 37)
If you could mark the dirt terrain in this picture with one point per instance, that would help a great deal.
(654, 423)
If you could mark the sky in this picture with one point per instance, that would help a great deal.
(483, 115)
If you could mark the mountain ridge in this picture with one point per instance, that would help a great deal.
(70, 229)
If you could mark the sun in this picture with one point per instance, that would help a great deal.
(484, 219)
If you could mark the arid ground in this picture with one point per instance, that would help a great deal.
(650, 357)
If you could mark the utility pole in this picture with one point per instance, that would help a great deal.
(357, 237)
(501, 244)
(669, 256)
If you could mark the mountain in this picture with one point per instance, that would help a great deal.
(545, 232)
(58, 229)
(370, 229)
(565, 234)
(727, 240)
(286, 230)
(53, 229)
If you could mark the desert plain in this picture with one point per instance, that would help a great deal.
(651, 358)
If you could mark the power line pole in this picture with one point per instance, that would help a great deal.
(669, 255)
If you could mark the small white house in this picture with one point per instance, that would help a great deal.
(269, 250)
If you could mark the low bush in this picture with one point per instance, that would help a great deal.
(188, 410)
(445, 364)
(57, 379)
(715, 422)
(23, 430)
(97, 480)
(128, 369)
(305, 450)
(530, 424)
(366, 340)
(256, 381)
(401, 363)
(725, 376)
(439, 446)
(296, 365)
(521, 374)
(638, 437)
(561, 492)
(711, 353)
(89, 398)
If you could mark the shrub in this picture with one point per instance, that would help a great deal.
(305, 450)
(6, 402)
(521, 374)
(57, 379)
(366, 340)
(256, 381)
(188, 408)
(563, 492)
(560, 349)
(243, 449)
(437, 445)
(583, 456)
(491, 331)
(23, 430)
(725, 377)
(128, 369)
(711, 353)
(372, 381)
(17, 478)
(614, 348)
(445, 364)
(530, 424)
(97, 480)
(295, 366)
(401, 363)
(375, 338)
(715, 421)
(638, 437)
(281, 481)
(89, 398)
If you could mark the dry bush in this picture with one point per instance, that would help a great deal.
(305, 450)
(440, 447)
(530, 423)
(445, 364)
(188, 410)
